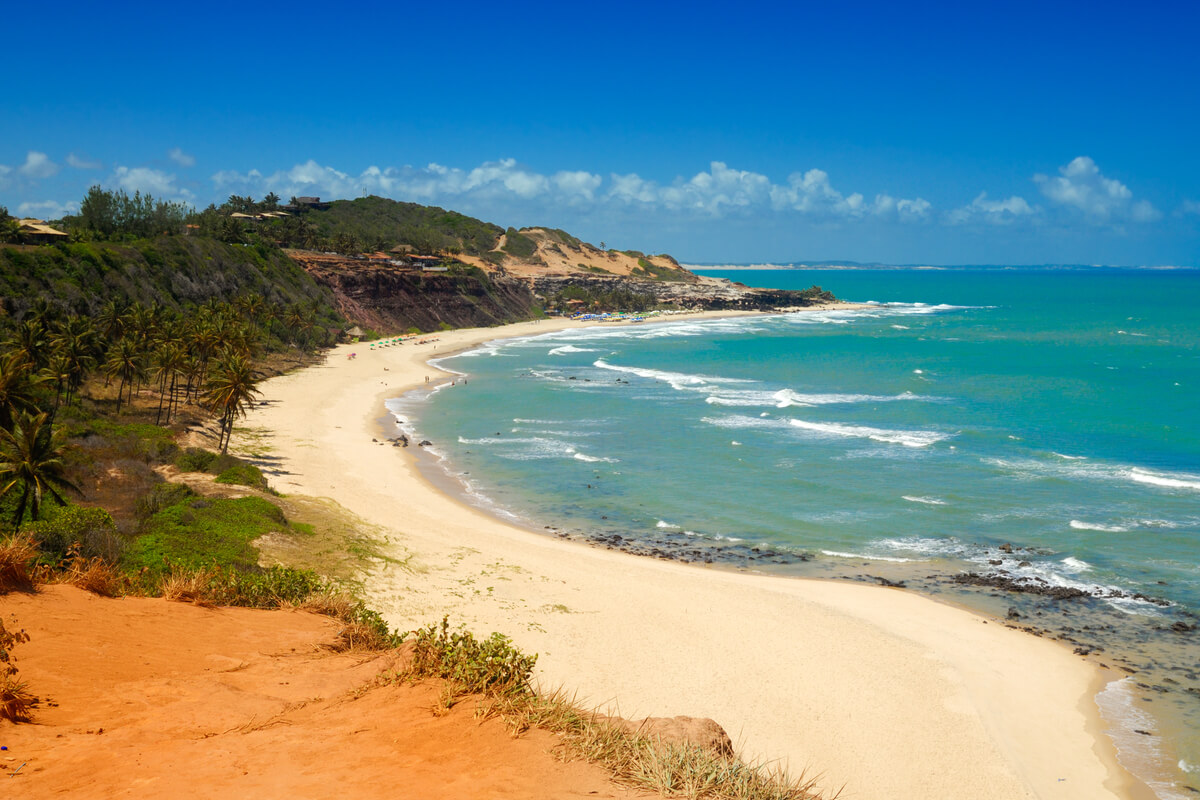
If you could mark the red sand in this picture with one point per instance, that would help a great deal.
(147, 698)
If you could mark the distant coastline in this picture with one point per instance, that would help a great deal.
(854, 265)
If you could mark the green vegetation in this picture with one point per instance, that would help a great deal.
(597, 299)
(172, 273)
(518, 245)
(199, 531)
(647, 269)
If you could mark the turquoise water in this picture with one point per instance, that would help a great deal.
(1053, 412)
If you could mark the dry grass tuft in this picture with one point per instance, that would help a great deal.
(648, 763)
(189, 587)
(16, 556)
(359, 632)
(16, 701)
(93, 575)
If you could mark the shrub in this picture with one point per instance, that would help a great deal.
(243, 475)
(492, 667)
(78, 530)
(161, 496)
(195, 459)
(200, 532)
(15, 698)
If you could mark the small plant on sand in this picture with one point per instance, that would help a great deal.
(491, 667)
(15, 699)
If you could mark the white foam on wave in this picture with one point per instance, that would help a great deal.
(901, 327)
(1172, 481)
(929, 501)
(677, 380)
(906, 438)
(1084, 469)
(838, 554)
(1131, 729)
(593, 459)
(569, 348)
(1080, 525)
(524, 421)
(1066, 457)
(666, 525)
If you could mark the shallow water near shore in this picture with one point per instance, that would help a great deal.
(1036, 429)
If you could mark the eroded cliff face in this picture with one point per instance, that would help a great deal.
(389, 299)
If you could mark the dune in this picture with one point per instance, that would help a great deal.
(146, 698)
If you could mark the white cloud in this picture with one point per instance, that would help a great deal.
(1185, 208)
(1081, 186)
(37, 165)
(992, 212)
(81, 162)
(181, 158)
(4, 171)
(47, 209)
(150, 181)
(716, 192)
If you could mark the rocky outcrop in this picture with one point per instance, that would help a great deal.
(698, 731)
(709, 294)
(390, 299)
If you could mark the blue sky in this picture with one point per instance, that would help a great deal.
(896, 132)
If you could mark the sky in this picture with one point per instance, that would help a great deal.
(906, 133)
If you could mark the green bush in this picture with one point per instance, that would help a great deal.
(200, 532)
(243, 475)
(195, 459)
(160, 496)
(91, 530)
(491, 667)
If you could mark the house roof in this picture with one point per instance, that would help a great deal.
(38, 226)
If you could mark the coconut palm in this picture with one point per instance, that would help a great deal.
(232, 386)
(76, 343)
(30, 338)
(31, 461)
(17, 384)
(124, 361)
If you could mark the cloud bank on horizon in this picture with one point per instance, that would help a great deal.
(1078, 196)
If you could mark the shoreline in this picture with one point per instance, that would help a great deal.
(811, 674)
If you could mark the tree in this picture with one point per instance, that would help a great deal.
(124, 361)
(232, 386)
(10, 229)
(31, 460)
(271, 201)
(17, 384)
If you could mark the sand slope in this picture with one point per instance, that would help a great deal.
(153, 699)
(888, 694)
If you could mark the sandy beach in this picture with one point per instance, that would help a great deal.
(880, 691)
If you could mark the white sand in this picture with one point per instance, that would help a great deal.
(886, 693)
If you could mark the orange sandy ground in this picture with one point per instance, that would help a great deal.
(147, 698)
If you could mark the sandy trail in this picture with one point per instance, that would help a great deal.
(888, 694)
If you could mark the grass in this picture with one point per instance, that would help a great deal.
(500, 675)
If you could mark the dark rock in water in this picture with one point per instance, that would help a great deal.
(1005, 548)
(424, 443)
(995, 562)
(886, 582)
(1013, 613)
(1183, 627)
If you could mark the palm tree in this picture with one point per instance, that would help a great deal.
(168, 360)
(232, 385)
(31, 340)
(17, 383)
(31, 458)
(76, 343)
(124, 361)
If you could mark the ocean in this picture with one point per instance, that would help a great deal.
(1024, 442)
